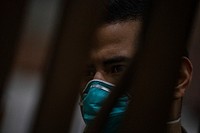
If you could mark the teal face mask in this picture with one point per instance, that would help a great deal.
(94, 95)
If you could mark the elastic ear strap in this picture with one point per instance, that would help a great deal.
(175, 121)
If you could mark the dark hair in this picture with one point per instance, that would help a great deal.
(123, 10)
(185, 52)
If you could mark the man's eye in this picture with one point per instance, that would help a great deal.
(118, 68)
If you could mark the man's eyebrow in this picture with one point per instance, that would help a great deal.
(116, 59)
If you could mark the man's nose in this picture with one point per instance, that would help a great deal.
(99, 75)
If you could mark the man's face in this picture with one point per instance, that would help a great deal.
(114, 46)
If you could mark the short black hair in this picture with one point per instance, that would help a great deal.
(123, 10)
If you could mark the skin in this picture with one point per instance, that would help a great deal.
(114, 46)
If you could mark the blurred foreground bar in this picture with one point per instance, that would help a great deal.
(11, 21)
(166, 37)
(71, 45)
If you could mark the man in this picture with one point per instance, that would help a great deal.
(114, 45)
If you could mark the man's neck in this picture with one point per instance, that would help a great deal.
(174, 128)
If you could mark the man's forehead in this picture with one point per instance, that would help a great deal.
(115, 39)
(113, 33)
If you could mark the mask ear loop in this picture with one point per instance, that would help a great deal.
(174, 121)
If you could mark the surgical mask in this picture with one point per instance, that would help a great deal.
(94, 95)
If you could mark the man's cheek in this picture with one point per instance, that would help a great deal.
(82, 85)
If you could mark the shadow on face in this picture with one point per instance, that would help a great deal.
(114, 46)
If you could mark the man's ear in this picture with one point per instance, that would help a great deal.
(184, 78)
